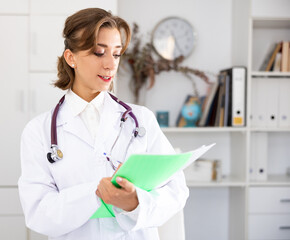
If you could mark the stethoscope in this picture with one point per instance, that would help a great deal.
(56, 154)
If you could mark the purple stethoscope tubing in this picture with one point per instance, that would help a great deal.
(56, 154)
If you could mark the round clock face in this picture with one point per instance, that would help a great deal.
(173, 37)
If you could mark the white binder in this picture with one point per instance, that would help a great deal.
(238, 96)
(260, 99)
(254, 103)
(284, 103)
(259, 157)
(272, 97)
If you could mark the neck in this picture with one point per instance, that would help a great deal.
(88, 96)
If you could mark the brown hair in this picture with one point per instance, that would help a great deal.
(80, 32)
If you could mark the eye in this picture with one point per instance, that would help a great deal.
(117, 55)
(99, 54)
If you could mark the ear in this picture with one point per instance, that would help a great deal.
(69, 58)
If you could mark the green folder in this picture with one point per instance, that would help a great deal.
(147, 171)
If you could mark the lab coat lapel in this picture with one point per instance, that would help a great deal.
(74, 125)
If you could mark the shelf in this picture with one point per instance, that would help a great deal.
(202, 129)
(267, 129)
(270, 74)
(273, 180)
(226, 182)
(260, 22)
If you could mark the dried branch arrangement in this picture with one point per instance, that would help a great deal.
(145, 64)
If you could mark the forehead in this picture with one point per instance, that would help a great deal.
(109, 36)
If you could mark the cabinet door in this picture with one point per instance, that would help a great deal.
(14, 79)
(12, 225)
(10, 203)
(36, 236)
(269, 200)
(46, 42)
(14, 7)
(67, 7)
(43, 95)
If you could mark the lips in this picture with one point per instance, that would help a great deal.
(105, 78)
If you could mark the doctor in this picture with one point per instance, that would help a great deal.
(59, 196)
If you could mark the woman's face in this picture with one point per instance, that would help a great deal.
(94, 72)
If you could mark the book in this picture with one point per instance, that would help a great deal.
(219, 118)
(267, 58)
(277, 63)
(285, 52)
(273, 56)
(210, 121)
(227, 100)
(289, 58)
(208, 102)
(148, 171)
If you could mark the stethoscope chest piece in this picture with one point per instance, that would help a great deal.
(141, 132)
(55, 155)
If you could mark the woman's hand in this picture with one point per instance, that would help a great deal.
(124, 197)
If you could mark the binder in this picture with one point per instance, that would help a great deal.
(148, 171)
(254, 103)
(259, 94)
(271, 101)
(237, 96)
(284, 103)
(259, 157)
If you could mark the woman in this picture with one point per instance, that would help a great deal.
(60, 196)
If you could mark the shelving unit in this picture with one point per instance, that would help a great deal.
(267, 28)
(235, 145)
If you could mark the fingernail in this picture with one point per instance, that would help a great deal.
(119, 179)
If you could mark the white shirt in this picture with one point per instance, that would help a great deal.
(89, 111)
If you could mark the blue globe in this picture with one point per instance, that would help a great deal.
(191, 113)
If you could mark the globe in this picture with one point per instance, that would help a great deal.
(191, 113)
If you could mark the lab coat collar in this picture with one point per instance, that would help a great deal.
(109, 121)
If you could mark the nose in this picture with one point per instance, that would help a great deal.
(110, 63)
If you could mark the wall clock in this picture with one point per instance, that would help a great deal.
(173, 37)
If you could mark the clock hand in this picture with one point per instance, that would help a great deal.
(176, 42)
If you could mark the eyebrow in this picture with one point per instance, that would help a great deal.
(106, 46)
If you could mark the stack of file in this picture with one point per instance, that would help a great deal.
(225, 104)
(204, 170)
(270, 102)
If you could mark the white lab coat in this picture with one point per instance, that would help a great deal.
(59, 199)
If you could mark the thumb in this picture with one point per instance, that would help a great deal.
(125, 184)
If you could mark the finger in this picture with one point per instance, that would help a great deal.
(124, 183)
(98, 193)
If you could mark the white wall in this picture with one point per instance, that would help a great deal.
(212, 22)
